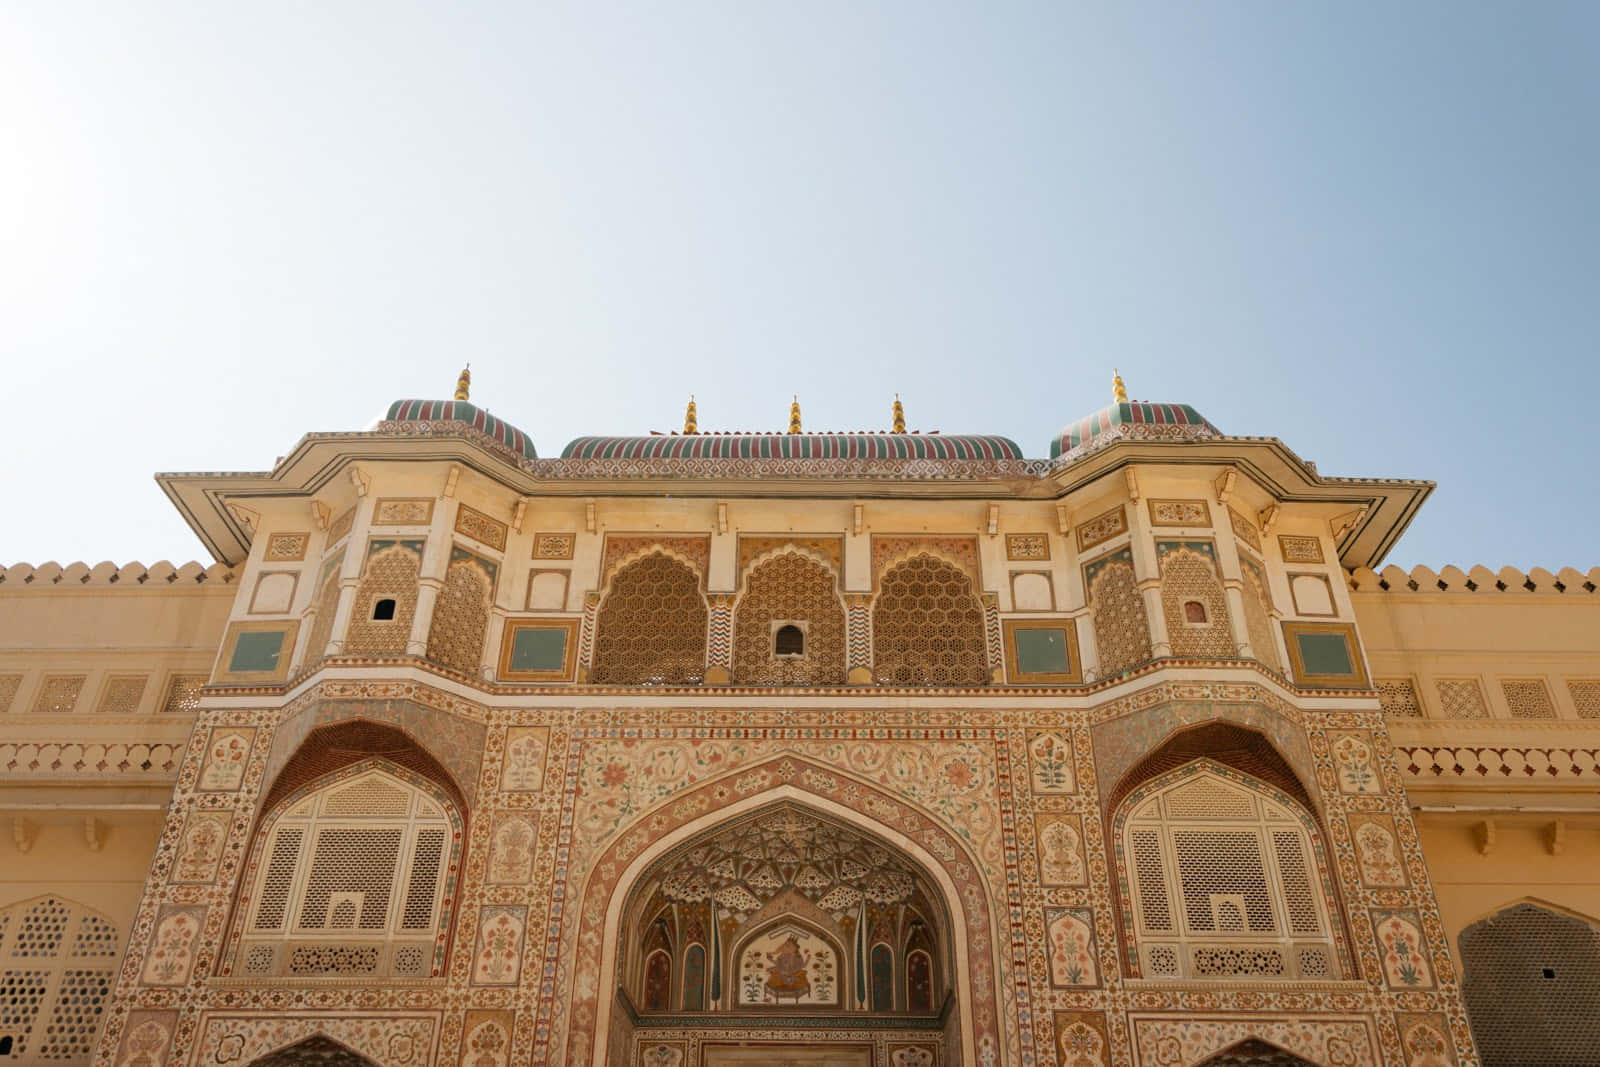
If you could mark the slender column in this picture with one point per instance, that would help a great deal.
(858, 623)
(719, 641)
(431, 573)
(1147, 569)
(1233, 585)
(355, 557)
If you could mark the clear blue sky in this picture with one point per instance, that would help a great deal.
(1369, 229)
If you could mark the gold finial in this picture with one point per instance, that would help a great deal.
(794, 415)
(899, 416)
(689, 423)
(1119, 392)
(464, 383)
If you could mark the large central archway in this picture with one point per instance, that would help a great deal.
(951, 943)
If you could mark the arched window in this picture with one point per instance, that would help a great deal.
(349, 878)
(927, 626)
(59, 961)
(651, 629)
(1529, 982)
(788, 624)
(1222, 880)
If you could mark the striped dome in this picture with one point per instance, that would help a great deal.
(1132, 419)
(795, 446)
(461, 411)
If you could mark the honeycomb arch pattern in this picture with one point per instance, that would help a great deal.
(1187, 575)
(391, 572)
(461, 617)
(325, 606)
(58, 962)
(789, 587)
(1529, 982)
(1258, 617)
(928, 626)
(651, 629)
(1121, 628)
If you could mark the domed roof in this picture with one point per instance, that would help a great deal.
(1131, 418)
(795, 446)
(437, 411)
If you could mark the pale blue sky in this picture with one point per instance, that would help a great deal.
(1369, 229)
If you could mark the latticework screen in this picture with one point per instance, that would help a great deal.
(651, 629)
(927, 626)
(58, 962)
(461, 617)
(350, 883)
(1121, 628)
(1529, 983)
(1238, 866)
(1188, 578)
(391, 574)
(792, 588)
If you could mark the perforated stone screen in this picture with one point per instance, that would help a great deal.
(1530, 983)
(56, 971)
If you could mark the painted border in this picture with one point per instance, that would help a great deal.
(1014, 676)
(569, 661)
(1356, 680)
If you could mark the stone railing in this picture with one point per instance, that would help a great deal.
(1480, 579)
(131, 575)
(1499, 766)
(118, 758)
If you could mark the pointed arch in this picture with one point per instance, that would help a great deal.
(798, 588)
(1529, 971)
(461, 614)
(652, 624)
(318, 1050)
(348, 873)
(928, 624)
(390, 573)
(1224, 876)
(60, 965)
(1254, 1052)
(953, 869)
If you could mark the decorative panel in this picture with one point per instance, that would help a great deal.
(417, 511)
(1585, 698)
(1179, 513)
(1244, 530)
(122, 694)
(1528, 698)
(1103, 527)
(58, 693)
(1298, 549)
(480, 527)
(1461, 698)
(1325, 655)
(286, 547)
(1399, 698)
(539, 650)
(1028, 546)
(183, 693)
(1043, 651)
(1121, 627)
(554, 545)
(257, 651)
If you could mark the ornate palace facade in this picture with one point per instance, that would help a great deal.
(891, 749)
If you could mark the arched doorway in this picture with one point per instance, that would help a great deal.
(1256, 1053)
(782, 910)
(316, 1051)
(1529, 981)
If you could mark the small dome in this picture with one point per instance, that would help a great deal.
(1137, 419)
(437, 411)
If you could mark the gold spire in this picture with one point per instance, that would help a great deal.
(899, 416)
(689, 423)
(1119, 392)
(794, 415)
(464, 383)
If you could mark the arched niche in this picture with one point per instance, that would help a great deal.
(790, 906)
(652, 624)
(314, 1051)
(1529, 974)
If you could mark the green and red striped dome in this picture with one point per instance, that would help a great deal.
(460, 411)
(1132, 419)
(796, 446)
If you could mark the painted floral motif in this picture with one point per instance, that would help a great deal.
(1081, 1045)
(661, 1055)
(788, 965)
(1060, 851)
(145, 1046)
(1405, 964)
(201, 850)
(1380, 861)
(498, 960)
(511, 855)
(393, 1041)
(225, 759)
(1191, 1040)
(172, 951)
(1357, 773)
(1050, 757)
(1071, 946)
(911, 1056)
(488, 1045)
(524, 766)
(1426, 1047)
